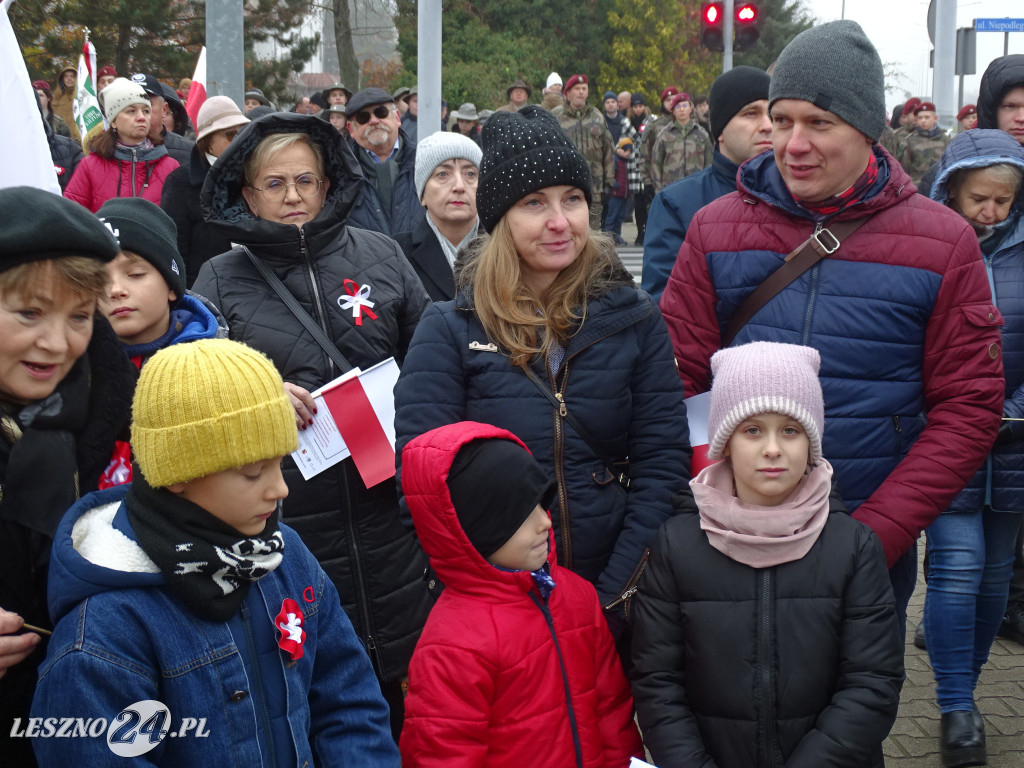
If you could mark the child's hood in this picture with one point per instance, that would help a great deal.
(93, 553)
(426, 462)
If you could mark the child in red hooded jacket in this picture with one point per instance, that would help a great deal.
(516, 666)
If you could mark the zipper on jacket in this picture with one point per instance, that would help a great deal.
(258, 690)
(763, 681)
(632, 585)
(565, 558)
(316, 296)
(135, 159)
(899, 438)
(812, 295)
(543, 605)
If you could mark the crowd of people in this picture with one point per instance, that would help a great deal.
(554, 575)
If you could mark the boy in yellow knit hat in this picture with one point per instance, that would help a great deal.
(188, 618)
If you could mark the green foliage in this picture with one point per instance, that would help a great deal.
(489, 43)
(161, 37)
(656, 44)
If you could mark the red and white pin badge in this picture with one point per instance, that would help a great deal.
(289, 622)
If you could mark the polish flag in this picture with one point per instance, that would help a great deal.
(698, 412)
(197, 91)
(363, 409)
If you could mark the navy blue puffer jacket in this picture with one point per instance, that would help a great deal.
(617, 378)
(1000, 481)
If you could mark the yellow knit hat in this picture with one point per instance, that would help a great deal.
(205, 406)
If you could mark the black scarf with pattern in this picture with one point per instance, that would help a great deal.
(208, 564)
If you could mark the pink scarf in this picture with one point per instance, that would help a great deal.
(762, 536)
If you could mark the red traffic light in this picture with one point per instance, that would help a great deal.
(712, 13)
(711, 26)
(746, 13)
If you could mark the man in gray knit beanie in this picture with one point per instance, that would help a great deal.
(899, 309)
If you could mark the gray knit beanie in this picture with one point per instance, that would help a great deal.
(836, 68)
(441, 146)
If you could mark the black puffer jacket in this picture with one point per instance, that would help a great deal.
(406, 211)
(799, 665)
(374, 561)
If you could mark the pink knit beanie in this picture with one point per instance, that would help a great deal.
(765, 377)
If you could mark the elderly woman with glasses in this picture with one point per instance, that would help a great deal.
(283, 191)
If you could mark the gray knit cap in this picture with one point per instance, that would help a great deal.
(438, 147)
(836, 68)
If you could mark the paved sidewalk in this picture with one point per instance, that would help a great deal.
(914, 741)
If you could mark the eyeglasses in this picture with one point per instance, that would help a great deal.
(307, 185)
(381, 111)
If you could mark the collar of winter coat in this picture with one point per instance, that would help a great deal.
(139, 155)
(579, 114)
(95, 551)
(759, 178)
(226, 210)
(426, 461)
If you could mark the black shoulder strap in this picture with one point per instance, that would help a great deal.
(614, 467)
(303, 316)
(820, 244)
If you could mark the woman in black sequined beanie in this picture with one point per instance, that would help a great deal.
(525, 151)
(546, 325)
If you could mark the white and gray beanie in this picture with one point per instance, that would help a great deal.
(765, 377)
(441, 146)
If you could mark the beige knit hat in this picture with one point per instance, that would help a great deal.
(120, 95)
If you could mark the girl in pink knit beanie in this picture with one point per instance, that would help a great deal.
(765, 631)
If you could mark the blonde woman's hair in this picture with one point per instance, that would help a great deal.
(521, 324)
(81, 275)
(273, 143)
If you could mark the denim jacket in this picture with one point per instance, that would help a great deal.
(122, 637)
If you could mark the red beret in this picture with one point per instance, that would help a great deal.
(924, 106)
(574, 80)
(670, 91)
(107, 70)
(968, 109)
(911, 105)
(41, 85)
(678, 98)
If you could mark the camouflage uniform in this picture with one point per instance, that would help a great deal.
(587, 129)
(902, 134)
(679, 151)
(921, 151)
(888, 140)
(652, 126)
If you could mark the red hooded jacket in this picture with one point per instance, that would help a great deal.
(501, 677)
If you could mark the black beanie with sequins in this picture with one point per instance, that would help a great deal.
(525, 151)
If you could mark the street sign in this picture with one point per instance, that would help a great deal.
(999, 25)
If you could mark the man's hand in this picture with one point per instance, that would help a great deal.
(14, 648)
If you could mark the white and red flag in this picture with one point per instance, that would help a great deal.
(197, 91)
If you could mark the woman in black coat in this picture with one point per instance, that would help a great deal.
(284, 189)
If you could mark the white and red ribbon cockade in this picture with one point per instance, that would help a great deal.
(358, 297)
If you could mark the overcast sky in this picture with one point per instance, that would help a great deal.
(899, 30)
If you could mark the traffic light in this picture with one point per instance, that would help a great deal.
(712, 23)
(747, 31)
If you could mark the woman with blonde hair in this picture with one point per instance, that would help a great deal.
(549, 337)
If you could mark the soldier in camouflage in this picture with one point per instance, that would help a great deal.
(908, 124)
(586, 128)
(923, 148)
(682, 148)
(654, 125)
